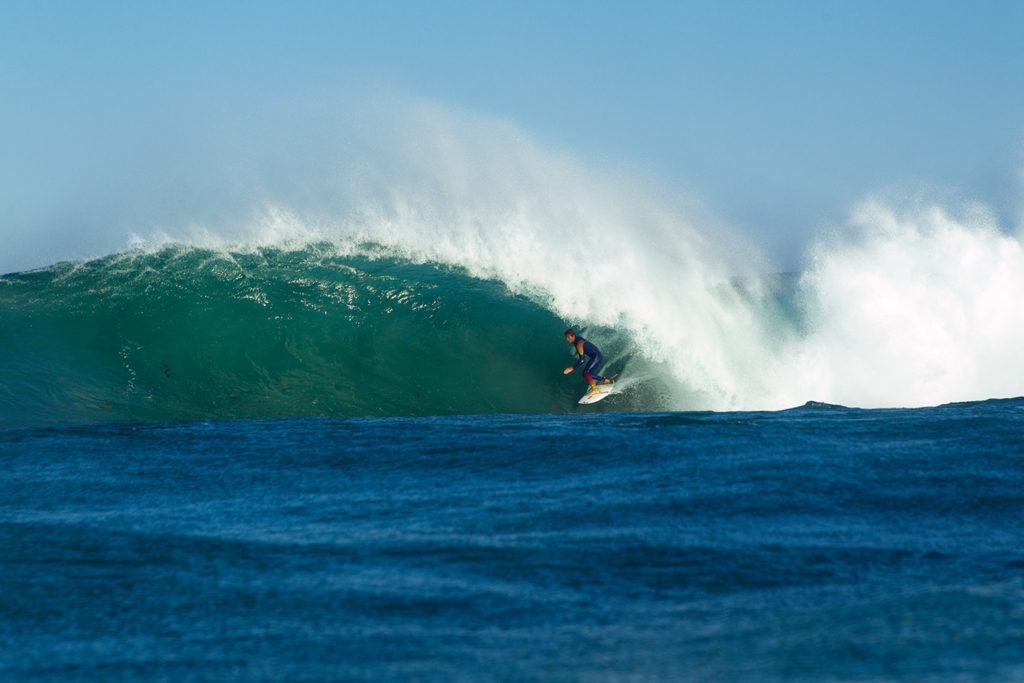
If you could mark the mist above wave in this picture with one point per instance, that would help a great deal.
(910, 303)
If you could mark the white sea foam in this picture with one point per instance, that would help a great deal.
(913, 307)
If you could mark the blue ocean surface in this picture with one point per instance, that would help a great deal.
(818, 543)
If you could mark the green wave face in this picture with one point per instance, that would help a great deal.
(186, 333)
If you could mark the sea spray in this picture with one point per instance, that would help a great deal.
(598, 246)
(912, 306)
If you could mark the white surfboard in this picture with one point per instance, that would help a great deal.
(603, 391)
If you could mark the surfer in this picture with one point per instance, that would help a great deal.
(585, 350)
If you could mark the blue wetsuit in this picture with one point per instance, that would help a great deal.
(584, 350)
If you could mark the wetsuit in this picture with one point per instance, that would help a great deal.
(585, 349)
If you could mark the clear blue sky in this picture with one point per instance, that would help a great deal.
(778, 114)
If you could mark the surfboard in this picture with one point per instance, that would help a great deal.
(603, 391)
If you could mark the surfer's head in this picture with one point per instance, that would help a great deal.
(570, 335)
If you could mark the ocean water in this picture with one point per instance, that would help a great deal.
(351, 454)
(818, 543)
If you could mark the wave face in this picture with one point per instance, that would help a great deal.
(185, 333)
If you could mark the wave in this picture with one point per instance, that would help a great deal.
(908, 311)
(431, 269)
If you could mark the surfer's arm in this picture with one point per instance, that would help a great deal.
(580, 358)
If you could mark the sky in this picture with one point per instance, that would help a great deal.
(779, 116)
